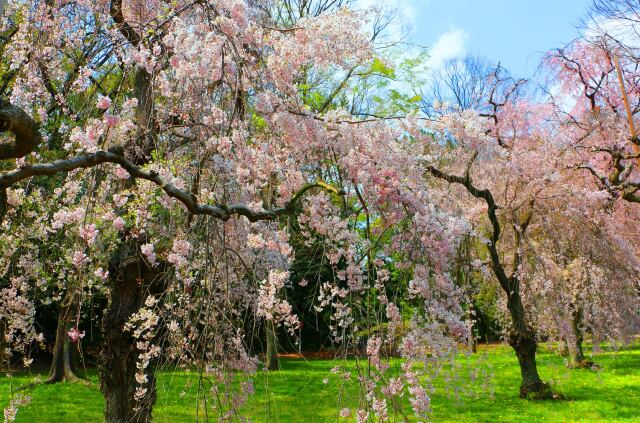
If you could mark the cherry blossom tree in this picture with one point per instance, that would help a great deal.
(593, 87)
(168, 144)
(500, 158)
(585, 282)
(163, 155)
(520, 159)
(595, 91)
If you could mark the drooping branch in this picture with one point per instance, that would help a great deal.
(509, 284)
(222, 212)
(25, 130)
(483, 194)
(602, 179)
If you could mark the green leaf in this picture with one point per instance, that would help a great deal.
(379, 67)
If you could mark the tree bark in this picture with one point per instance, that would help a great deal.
(271, 360)
(62, 364)
(4, 360)
(525, 349)
(574, 345)
(131, 281)
(523, 341)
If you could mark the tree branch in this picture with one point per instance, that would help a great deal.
(487, 197)
(25, 130)
(221, 212)
(116, 14)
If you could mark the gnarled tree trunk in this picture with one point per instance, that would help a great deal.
(131, 281)
(525, 348)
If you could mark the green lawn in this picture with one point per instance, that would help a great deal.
(298, 394)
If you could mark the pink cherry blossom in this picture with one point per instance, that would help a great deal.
(119, 224)
(148, 250)
(103, 102)
(75, 335)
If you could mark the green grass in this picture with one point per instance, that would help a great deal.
(298, 394)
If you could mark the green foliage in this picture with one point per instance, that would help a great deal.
(297, 393)
(386, 86)
(377, 66)
(258, 123)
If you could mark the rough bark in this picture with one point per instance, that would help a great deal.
(525, 349)
(271, 360)
(131, 281)
(523, 341)
(143, 145)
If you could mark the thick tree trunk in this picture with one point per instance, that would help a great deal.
(525, 348)
(62, 364)
(271, 360)
(131, 281)
(523, 341)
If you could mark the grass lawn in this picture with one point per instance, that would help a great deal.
(298, 394)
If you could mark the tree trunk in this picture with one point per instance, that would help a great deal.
(4, 360)
(574, 345)
(131, 281)
(62, 365)
(523, 341)
(271, 360)
(525, 348)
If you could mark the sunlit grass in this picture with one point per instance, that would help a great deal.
(297, 393)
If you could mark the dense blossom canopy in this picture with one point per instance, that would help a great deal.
(178, 136)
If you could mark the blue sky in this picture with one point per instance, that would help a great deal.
(514, 32)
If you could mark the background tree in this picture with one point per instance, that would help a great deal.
(490, 155)
(462, 83)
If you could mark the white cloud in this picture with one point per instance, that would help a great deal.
(449, 45)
